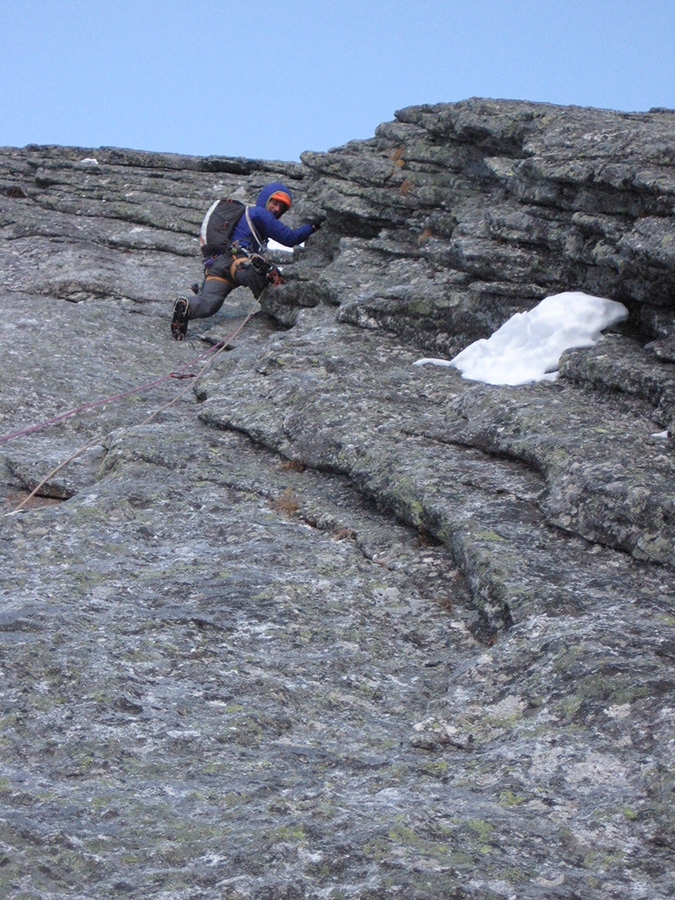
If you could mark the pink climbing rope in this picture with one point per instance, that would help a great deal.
(114, 397)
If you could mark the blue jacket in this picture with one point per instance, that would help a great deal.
(265, 223)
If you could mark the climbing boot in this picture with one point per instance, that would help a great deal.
(179, 321)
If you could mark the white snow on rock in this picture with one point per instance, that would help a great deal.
(529, 345)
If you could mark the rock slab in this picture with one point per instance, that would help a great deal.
(316, 622)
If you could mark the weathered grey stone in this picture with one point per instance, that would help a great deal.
(332, 625)
(549, 196)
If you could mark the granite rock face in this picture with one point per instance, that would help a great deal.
(312, 621)
(484, 207)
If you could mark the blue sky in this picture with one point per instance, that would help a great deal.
(270, 79)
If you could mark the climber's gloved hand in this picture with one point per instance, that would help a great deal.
(317, 222)
(261, 266)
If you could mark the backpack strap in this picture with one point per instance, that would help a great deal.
(262, 245)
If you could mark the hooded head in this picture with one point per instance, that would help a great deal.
(274, 191)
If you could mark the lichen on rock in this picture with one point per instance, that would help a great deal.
(330, 624)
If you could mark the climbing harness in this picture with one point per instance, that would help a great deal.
(263, 267)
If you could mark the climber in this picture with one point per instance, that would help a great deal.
(234, 238)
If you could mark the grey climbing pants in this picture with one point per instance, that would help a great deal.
(223, 276)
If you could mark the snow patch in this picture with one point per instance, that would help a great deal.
(529, 345)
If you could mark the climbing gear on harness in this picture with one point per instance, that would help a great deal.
(261, 265)
(245, 259)
(268, 269)
(274, 277)
(179, 321)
